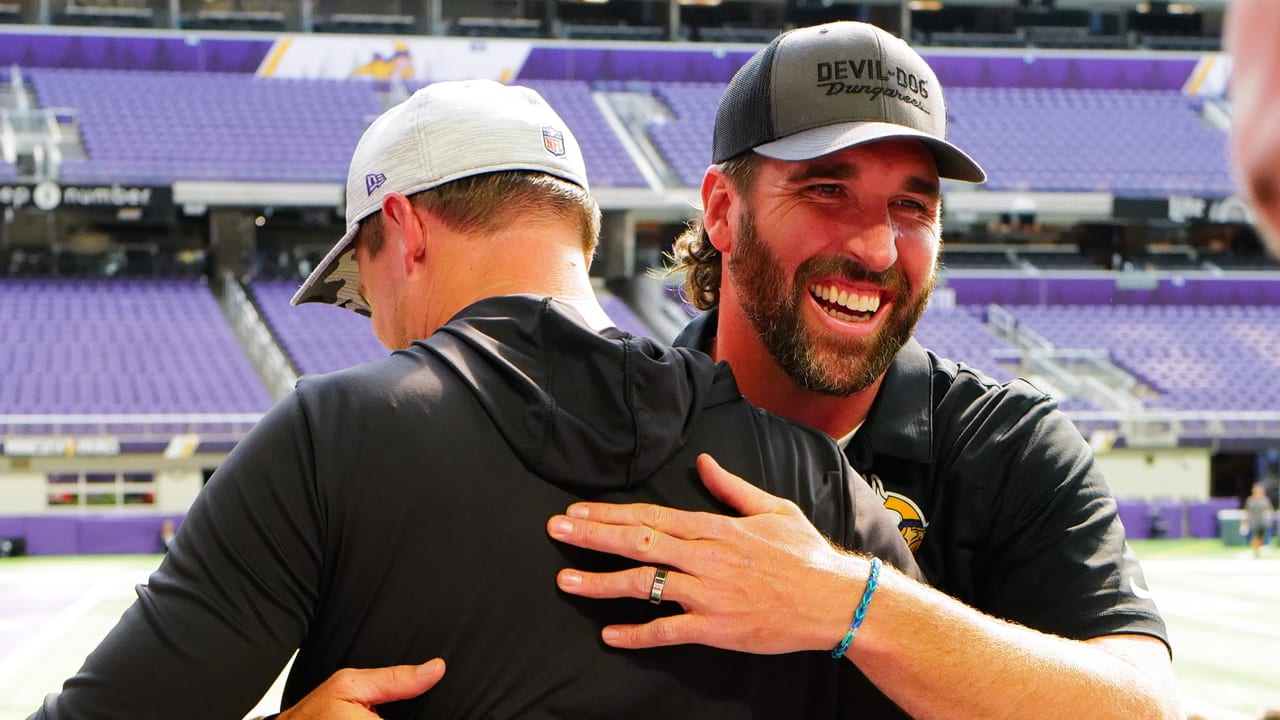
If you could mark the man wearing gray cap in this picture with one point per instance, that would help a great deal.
(814, 258)
(395, 511)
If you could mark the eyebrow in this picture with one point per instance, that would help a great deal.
(923, 186)
(845, 171)
(822, 170)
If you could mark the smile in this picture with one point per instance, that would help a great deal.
(844, 305)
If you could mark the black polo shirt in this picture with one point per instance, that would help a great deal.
(998, 497)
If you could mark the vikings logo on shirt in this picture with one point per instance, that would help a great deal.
(911, 522)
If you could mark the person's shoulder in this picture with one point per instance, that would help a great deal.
(960, 382)
(965, 398)
(368, 382)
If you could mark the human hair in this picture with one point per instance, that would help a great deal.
(491, 202)
(692, 252)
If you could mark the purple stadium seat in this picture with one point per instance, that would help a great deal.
(320, 339)
(158, 127)
(1115, 141)
(317, 338)
(1215, 357)
(1043, 139)
(120, 347)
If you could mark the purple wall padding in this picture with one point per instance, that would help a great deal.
(1134, 515)
(133, 52)
(1202, 517)
(597, 64)
(1183, 519)
(87, 534)
(591, 62)
(1174, 514)
(1103, 289)
(1029, 70)
(1009, 70)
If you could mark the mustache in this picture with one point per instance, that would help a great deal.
(848, 269)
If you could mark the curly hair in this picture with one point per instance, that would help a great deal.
(692, 252)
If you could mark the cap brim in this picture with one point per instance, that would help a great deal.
(953, 163)
(336, 280)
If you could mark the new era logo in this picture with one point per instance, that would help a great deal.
(373, 181)
(553, 141)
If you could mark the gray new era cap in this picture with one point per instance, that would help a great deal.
(444, 132)
(817, 90)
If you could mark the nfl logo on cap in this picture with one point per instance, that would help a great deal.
(553, 140)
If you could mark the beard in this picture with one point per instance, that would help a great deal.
(815, 360)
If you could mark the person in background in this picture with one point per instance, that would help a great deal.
(814, 258)
(1257, 518)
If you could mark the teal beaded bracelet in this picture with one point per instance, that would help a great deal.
(860, 614)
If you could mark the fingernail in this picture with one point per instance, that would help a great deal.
(578, 511)
(569, 578)
(429, 667)
(609, 634)
(560, 526)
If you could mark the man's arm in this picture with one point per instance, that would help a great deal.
(769, 583)
(231, 600)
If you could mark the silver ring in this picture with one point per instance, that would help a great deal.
(659, 582)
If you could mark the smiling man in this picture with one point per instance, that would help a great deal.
(814, 258)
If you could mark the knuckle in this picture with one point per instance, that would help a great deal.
(666, 633)
(653, 515)
(642, 581)
(643, 540)
(345, 678)
(598, 585)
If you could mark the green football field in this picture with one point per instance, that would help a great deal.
(1221, 604)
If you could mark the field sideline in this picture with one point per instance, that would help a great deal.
(1220, 603)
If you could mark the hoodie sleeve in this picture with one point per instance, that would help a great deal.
(216, 623)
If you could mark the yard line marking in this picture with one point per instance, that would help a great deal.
(52, 630)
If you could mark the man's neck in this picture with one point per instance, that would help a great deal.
(516, 266)
(764, 383)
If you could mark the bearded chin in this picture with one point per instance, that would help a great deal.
(840, 367)
(814, 359)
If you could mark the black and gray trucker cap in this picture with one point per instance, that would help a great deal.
(817, 90)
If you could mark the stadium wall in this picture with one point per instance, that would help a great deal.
(1103, 288)
(47, 505)
(1175, 473)
(430, 59)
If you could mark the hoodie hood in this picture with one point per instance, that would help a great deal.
(584, 410)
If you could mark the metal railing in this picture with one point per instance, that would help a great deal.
(256, 338)
(148, 427)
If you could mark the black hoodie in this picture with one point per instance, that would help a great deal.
(396, 511)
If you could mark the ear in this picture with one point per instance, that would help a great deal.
(398, 213)
(718, 198)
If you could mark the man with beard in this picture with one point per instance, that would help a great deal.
(814, 258)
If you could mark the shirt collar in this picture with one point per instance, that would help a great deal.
(901, 419)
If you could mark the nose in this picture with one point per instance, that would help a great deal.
(873, 239)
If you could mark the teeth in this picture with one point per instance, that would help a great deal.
(857, 302)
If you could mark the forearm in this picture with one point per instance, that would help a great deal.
(938, 658)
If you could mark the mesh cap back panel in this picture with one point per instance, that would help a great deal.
(745, 116)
